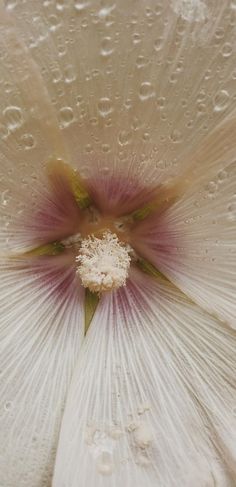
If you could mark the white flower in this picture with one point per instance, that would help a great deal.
(118, 175)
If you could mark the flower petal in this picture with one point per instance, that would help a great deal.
(134, 84)
(151, 401)
(41, 329)
(29, 132)
(194, 242)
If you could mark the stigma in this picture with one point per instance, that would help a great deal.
(103, 262)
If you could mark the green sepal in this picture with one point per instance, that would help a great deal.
(150, 269)
(59, 170)
(54, 248)
(144, 212)
(82, 197)
(91, 302)
(164, 201)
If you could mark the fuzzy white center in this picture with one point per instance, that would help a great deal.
(103, 263)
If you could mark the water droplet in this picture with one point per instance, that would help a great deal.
(136, 38)
(173, 78)
(176, 136)
(13, 116)
(106, 148)
(146, 91)
(69, 73)
(60, 4)
(28, 141)
(161, 102)
(107, 47)
(208, 74)
(124, 137)
(56, 75)
(5, 197)
(81, 5)
(220, 33)
(88, 148)
(128, 103)
(54, 22)
(158, 9)
(232, 212)
(104, 107)
(227, 50)
(10, 4)
(84, 23)
(146, 136)
(66, 116)
(221, 100)
(141, 61)
(158, 44)
(8, 405)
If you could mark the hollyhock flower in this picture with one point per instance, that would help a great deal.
(118, 255)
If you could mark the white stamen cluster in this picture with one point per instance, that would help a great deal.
(103, 263)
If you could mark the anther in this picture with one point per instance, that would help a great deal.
(103, 263)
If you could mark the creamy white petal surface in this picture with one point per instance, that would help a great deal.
(199, 254)
(133, 84)
(153, 396)
(41, 332)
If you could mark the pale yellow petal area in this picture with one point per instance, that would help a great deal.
(41, 331)
(136, 85)
(152, 400)
(194, 241)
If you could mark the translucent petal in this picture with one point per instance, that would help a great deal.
(134, 84)
(151, 401)
(194, 241)
(41, 329)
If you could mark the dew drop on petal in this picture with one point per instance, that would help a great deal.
(28, 141)
(13, 116)
(54, 22)
(146, 91)
(176, 136)
(124, 137)
(66, 116)
(232, 212)
(158, 43)
(60, 4)
(227, 50)
(80, 6)
(8, 405)
(69, 74)
(10, 4)
(105, 107)
(107, 47)
(221, 100)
